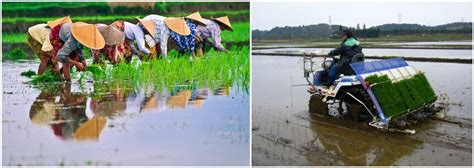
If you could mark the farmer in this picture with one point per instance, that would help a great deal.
(69, 40)
(162, 28)
(38, 40)
(186, 44)
(113, 40)
(133, 33)
(348, 48)
(213, 30)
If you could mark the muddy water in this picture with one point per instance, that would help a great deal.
(71, 125)
(284, 133)
(429, 53)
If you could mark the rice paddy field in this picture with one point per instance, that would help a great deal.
(18, 17)
(285, 133)
(169, 111)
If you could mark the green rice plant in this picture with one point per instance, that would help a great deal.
(48, 76)
(241, 33)
(15, 54)
(28, 73)
(213, 70)
(399, 97)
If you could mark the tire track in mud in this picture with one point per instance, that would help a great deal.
(425, 132)
(437, 133)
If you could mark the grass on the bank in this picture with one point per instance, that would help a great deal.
(241, 33)
(213, 70)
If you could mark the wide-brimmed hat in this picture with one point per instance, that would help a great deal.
(112, 35)
(119, 24)
(178, 25)
(88, 35)
(196, 16)
(59, 21)
(149, 25)
(225, 21)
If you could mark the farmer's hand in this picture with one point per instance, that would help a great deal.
(79, 66)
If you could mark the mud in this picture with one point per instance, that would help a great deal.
(284, 133)
(115, 124)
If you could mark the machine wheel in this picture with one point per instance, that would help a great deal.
(316, 105)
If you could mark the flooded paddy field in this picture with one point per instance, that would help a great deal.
(87, 123)
(284, 133)
(463, 44)
(427, 53)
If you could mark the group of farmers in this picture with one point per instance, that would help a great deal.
(63, 40)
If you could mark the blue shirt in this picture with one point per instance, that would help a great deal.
(70, 44)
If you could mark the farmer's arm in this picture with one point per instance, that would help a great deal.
(134, 48)
(164, 42)
(80, 53)
(216, 37)
(140, 37)
(69, 46)
(336, 51)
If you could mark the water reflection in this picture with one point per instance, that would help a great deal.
(60, 109)
(356, 144)
(64, 111)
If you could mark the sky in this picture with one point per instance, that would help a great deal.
(266, 15)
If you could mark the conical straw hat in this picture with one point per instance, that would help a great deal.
(225, 21)
(149, 26)
(90, 130)
(59, 21)
(178, 25)
(112, 35)
(120, 24)
(88, 35)
(196, 17)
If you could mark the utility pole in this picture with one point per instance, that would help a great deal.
(399, 18)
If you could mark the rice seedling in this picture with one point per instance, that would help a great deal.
(399, 97)
(215, 69)
(30, 73)
(49, 76)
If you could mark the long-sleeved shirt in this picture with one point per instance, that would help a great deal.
(70, 44)
(40, 33)
(135, 33)
(154, 17)
(162, 32)
(213, 30)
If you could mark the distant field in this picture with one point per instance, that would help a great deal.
(391, 38)
(241, 33)
(11, 7)
(32, 6)
(13, 20)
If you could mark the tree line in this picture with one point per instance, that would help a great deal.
(325, 31)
